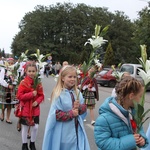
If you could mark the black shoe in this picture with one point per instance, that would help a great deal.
(19, 129)
(28, 137)
(32, 146)
(25, 146)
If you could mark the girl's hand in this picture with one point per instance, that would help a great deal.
(76, 104)
(136, 136)
(34, 104)
(34, 93)
(10, 87)
(75, 112)
(141, 141)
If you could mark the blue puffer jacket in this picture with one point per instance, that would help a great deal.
(112, 129)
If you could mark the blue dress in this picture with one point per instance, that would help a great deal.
(61, 135)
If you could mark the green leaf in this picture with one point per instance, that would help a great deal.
(104, 31)
(37, 80)
(141, 62)
(140, 110)
(144, 114)
(143, 122)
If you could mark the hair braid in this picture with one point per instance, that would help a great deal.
(126, 86)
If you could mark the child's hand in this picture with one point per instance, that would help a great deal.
(10, 87)
(34, 93)
(75, 112)
(34, 104)
(136, 136)
(76, 104)
(141, 141)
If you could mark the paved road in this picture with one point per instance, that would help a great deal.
(10, 138)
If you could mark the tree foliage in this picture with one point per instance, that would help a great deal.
(109, 56)
(62, 30)
(142, 32)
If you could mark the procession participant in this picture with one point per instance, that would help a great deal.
(65, 113)
(90, 92)
(30, 99)
(7, 91)
(115, 127)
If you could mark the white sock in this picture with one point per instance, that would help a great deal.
(34, 131)
(24, 133)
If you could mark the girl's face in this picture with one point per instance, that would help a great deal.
(136, 97)
(31, 72)
(69, 80)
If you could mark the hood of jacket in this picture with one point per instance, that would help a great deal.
(110, 106)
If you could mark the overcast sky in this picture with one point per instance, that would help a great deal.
(12, 11)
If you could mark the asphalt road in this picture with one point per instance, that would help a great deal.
(10, 138)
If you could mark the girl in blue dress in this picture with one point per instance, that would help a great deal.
(64, 127)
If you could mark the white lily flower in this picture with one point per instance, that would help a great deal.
(147, 65)
(78, 71)
(9, 73)
(118, 75)
(41, 56)
(96, 42)
(145, 76)
(23, 57)
(97, 63)
(42, 64)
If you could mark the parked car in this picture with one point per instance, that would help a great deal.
(105, 78)
(133, 70)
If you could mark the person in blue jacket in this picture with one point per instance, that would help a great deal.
(113, 129)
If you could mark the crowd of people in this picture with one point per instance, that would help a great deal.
(70, 101)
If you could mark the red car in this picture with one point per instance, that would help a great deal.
(105, 78)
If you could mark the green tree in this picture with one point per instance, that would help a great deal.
(62, 30)
(109, 56)
(142, 30)
(120, 34)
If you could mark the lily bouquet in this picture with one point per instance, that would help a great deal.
(37, 81)
(117, 74)
(140, 114)
(139, 117)
(96, 41)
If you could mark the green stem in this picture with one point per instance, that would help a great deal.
(143, 97)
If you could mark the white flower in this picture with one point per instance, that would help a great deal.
(9, 73)
(96, 42)
(42, 64)
(117, 74)
(23, 57)
(147, 65)
(78, 71)
(97, 63)
(145, 76)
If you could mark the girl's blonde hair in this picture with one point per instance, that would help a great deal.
(60, 84)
